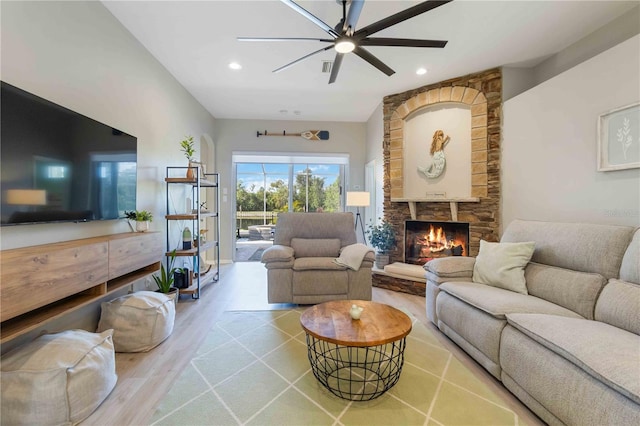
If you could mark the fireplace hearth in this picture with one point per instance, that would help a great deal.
(426, 240)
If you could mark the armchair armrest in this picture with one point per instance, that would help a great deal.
(451, 267)
(277, 253)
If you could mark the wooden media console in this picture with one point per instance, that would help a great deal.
(41, 283)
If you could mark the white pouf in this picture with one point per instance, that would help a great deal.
(140, 321)
(57, 379)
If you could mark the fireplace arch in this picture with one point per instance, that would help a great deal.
(466, 96)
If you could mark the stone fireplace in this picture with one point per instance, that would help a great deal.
(481, 94)
(425, 240)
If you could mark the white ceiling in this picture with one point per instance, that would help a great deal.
(196, 40)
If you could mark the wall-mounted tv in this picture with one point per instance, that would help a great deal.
(59, 166)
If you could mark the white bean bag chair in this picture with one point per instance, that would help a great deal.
(57, 379)
(140, 321)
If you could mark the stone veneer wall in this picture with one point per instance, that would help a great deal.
(483, 93)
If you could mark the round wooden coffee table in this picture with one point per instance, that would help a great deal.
(359, 359)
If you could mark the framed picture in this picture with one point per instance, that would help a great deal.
(619, 139)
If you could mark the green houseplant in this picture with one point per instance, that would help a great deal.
(383, 238)
(165, 278)
(141, 217)
(187, 147)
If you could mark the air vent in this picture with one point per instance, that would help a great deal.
(326, 66)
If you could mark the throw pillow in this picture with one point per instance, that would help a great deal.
(502, 265)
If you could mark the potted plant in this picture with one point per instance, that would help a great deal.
(164, 280)
(141, 217)
(383, 238)
(186, 146)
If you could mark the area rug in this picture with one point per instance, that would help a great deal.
(252, 369)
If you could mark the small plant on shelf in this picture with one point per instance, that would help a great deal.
(186, 146)
(139, 215)
(164, 280)
(142, 219)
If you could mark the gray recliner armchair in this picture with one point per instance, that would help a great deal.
(301, 265)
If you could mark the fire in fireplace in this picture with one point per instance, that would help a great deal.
(426, 240)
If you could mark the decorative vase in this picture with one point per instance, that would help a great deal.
(142, 225)
(191, 171)
(382, 259)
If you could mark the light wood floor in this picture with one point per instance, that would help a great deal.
(143, 379)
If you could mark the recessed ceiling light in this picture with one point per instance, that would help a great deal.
(235, 66)
(421, 71)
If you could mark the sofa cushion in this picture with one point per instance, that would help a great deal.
(502, 265)
(499, 302)
(317, 263)
(451, 267)
(315, 247)
(573, 290)
(277, 253)
(315, 225)
(314, 282)
(575, 246)
(630, 267)
(619, 305)
(405, 271)
(607, 353)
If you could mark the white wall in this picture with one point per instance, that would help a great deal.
(77, 54)
(374, 152)
(604, 38)
(238, 136)
(550, 144)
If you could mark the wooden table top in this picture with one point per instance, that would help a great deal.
(378, 324)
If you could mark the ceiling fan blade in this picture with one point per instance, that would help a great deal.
(403, 42)
(399, 17)
(353, 15)
(364, 54)
(336, 67)
(302, 11)
(284, 67)
(326, 40)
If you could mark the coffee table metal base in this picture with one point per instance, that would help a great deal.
(356, 373)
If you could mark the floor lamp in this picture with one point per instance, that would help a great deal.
(358, 199)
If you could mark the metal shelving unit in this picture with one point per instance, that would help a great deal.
(205, 186)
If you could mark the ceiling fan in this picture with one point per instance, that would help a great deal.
(345, 38)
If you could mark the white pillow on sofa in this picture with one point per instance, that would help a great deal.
(502, 265)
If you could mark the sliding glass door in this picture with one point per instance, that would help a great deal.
(267, 185)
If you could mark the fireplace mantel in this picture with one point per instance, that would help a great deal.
(453, 203)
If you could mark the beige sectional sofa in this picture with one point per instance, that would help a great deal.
(570, 347)
(301, 264)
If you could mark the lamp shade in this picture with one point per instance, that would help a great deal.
(27, 197)
(358, 199)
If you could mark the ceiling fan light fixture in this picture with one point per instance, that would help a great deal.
(344, 46)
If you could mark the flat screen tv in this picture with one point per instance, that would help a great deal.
(59, 166)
